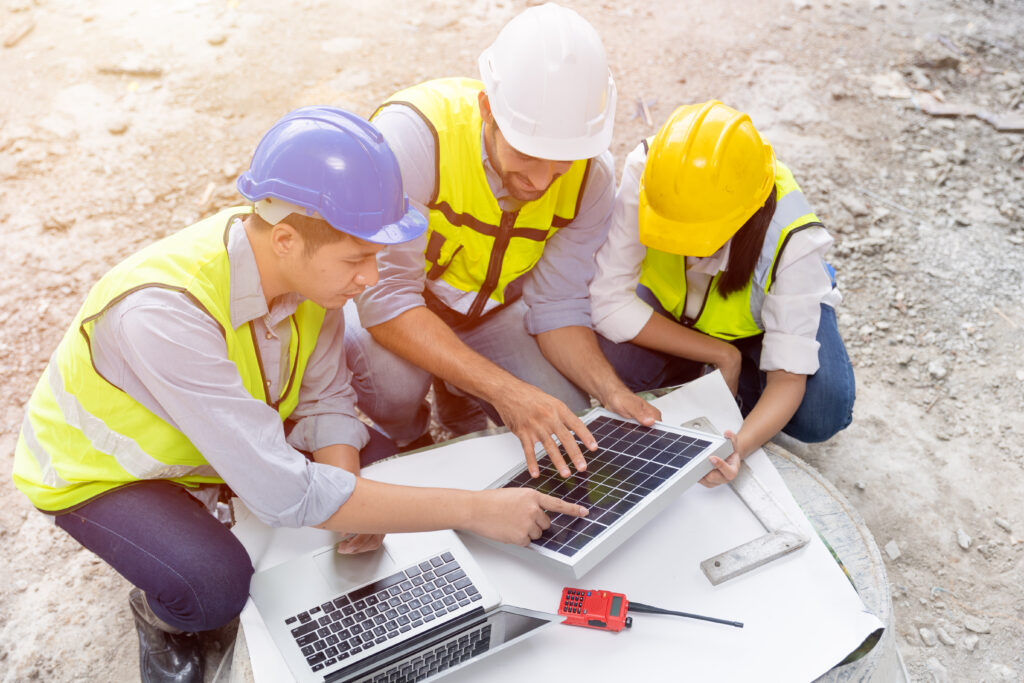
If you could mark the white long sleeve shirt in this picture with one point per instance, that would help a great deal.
(791, 309)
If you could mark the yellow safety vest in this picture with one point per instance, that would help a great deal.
(82, 436)
(472, 245)
(738, 315)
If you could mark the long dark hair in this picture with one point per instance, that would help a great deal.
(746, 247)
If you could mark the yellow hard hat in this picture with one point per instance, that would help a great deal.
(708, 170)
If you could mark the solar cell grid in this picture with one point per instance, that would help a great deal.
(631, 462)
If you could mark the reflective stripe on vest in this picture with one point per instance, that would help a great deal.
(82, 436)
(738, 315)
(474, 249)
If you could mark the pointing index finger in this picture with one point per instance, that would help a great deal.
(553, 504)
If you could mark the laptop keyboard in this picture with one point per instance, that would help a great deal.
(378, 612)
(437, 658)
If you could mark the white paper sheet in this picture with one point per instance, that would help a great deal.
(801, 614)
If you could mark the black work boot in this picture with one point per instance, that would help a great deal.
(166, 654)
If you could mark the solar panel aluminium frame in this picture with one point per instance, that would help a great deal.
(637, 516)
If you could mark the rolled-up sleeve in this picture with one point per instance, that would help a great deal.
(792, 307)
(619, 314)
(172, 358)
(557, 289)
(401, 266)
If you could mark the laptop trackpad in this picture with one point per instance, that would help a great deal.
(345, 572)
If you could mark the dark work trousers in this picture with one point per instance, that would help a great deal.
(827, 406)
(193, 570)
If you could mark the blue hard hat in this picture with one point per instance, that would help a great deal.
(335, 164)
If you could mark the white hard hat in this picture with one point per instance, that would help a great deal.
(548, 83)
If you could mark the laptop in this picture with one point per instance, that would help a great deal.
(634, 474)
(416, 609)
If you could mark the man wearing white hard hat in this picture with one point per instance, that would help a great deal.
(516, 178)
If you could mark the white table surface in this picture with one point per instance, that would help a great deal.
(801, 614)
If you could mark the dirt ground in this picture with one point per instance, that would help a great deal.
(123, 121)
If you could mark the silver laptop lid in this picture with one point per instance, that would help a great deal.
(326, 612)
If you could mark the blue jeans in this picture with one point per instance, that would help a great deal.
(827, 406)
(193, 570)
(391, 390)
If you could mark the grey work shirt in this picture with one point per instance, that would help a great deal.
(170, 355)
(555, 290)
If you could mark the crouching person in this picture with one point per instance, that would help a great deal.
(715, 257)
(216, 356)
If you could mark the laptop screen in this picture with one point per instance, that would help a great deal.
(446, 649)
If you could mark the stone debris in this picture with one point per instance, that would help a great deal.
(217, 39)
(136, 70)
(933, 106)
(20, 29)
(944, 636)
(892, 550)
(976, 624)
(1004, 123)
(1010, 122)
(854, 205)
(889, 86)
(861, 485)
(971, 641)
(938, 53)
(928, 636)
(1003, 524)
(937, 670)
(937, 370)
(118, 127)
(963, 539)
(58, 223)
(1001, 672)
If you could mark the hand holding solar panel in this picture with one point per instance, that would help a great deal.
(633, 474)
(725, 470)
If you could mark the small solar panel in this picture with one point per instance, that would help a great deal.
(633, 466)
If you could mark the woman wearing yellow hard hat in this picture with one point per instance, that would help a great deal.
(715, 258)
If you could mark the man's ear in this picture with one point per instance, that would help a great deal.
(285, 239)
(485, 107)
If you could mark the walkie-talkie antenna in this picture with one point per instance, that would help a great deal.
(640, 607)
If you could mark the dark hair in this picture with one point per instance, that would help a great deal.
(315, 232)
(746, 247)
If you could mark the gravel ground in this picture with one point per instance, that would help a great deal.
(902, 120)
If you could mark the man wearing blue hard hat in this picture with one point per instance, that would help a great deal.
(215, 356)
(515, 175)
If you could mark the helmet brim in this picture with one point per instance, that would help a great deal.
(675, 237)
(410, 226)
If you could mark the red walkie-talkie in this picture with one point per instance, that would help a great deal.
(595, 609)
(607, 611)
